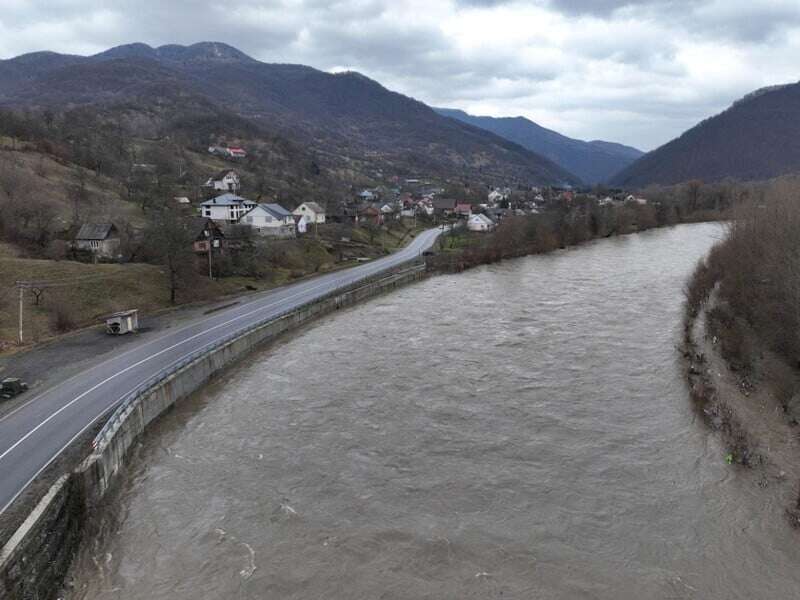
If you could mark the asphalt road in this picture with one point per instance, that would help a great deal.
(35, 433)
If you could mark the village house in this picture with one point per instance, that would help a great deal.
(227, 152)
(101, 239)
(636, 199)
(341, 213)
(224, 181)
(496, 196)
(227, 208)
(443, 207)
(385, 208)
(311, 212)
(479, 222)
(206, 234)
(425, 206)
(371, 214)
(270, 220)
(463, 209)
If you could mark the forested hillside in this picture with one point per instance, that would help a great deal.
(757, 138)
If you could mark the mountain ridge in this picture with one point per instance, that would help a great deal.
(594, 161)
(346, 116)
(756, 138)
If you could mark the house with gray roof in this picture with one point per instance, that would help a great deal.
(227, 208)
(101, 239)
(270, 219)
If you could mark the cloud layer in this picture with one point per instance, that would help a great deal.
(635, 71)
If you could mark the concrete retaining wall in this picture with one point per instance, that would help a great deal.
(35, 560)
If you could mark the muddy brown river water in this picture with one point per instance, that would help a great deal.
(521, 430)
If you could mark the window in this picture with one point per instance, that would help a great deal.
(249, 219)
(94, 244)
(268, 219)
(207, 212)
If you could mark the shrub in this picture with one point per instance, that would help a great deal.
(62, 318)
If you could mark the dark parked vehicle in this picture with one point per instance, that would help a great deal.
(11, 387)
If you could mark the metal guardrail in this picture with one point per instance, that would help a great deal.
(128, 402)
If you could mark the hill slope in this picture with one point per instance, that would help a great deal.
(343, 117)
(594, 162)
(756, 138)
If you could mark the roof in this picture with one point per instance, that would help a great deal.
(199, 224)
(444, 203)
(314, 206)
(226, 200)
(95, 231)
(221, 175)
(276, 210)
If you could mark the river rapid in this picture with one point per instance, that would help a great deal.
(521, 430)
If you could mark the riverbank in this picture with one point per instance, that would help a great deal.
(514, 237)
(745, 402)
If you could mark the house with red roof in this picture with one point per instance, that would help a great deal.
(463, 209)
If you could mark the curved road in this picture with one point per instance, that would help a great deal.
(34, 434)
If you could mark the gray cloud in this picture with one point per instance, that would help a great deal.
(637, 71)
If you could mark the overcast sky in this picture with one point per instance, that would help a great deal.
(637, 71)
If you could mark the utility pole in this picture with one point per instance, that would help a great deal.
(210, 248)
(21, 302)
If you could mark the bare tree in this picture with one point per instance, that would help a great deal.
(169, 241)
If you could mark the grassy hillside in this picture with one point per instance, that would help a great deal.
(87, 292)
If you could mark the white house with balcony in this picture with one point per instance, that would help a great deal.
(270, 220)
(310, 212)
(227, 208)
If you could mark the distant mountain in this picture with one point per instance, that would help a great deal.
(349, 121)
(758, 137)
(594, 162)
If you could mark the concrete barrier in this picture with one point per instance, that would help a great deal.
(35, 560)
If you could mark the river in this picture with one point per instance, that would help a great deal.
(521, 430)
